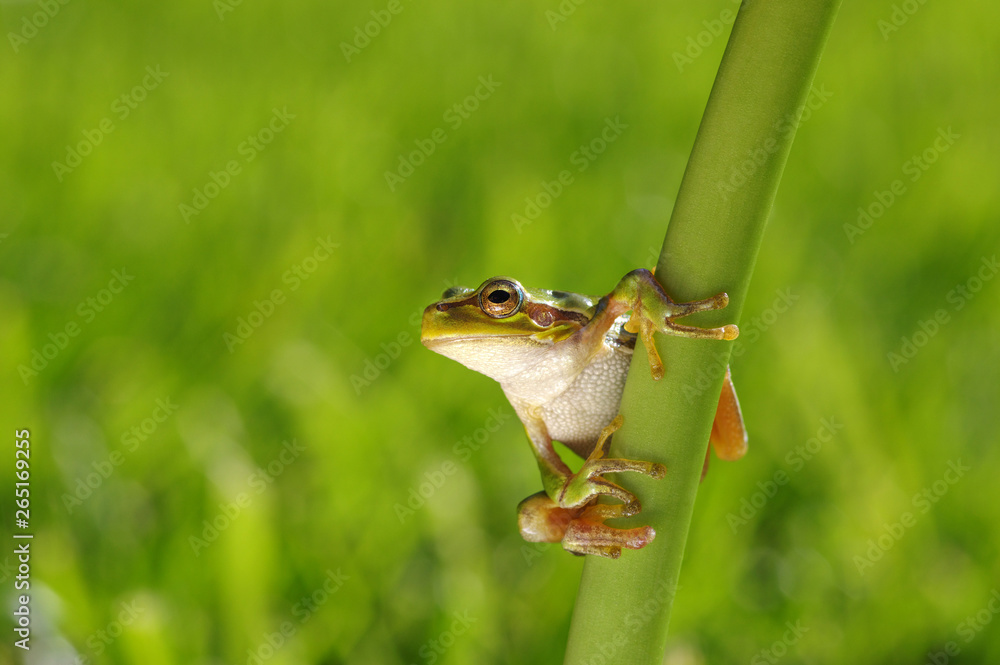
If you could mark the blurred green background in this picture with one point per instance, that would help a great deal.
(225, 446)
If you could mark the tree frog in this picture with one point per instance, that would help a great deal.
(561, 359)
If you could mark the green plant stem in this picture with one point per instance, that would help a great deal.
(623, 607)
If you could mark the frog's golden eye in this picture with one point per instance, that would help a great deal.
(500, 299)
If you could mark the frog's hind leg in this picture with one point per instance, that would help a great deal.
(581, 530)
(729, 434)
(567, 511)
(541, 520)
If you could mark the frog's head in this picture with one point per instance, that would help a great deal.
(501, 328)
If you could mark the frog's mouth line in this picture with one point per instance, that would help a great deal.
(458, 337)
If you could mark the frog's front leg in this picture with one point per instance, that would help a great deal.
(652, 311)
(567, 511)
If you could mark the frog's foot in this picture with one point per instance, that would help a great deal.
(581, 530)
(588, 534)
(587, 484)
(576, 519)
(653, 310)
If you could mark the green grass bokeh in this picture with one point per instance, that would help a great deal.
(335, 365)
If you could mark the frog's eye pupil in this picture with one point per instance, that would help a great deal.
(500, 299)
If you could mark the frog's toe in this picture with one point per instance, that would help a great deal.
(651, 469)
(590, 537)
(587, 485)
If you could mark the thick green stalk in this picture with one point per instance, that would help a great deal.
(711, 244)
